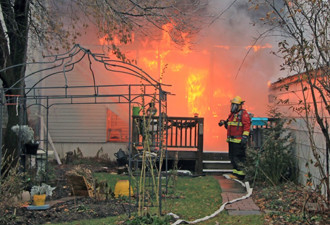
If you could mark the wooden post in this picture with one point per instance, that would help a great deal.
(199, 154)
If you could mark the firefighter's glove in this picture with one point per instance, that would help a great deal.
(221, 123)
(244, 141)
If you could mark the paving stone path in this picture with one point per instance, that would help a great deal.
(232, 190)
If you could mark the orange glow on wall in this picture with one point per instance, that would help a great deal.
(105, 40)
(151, 64)
(223, 46)
(219, 93)
(166, 40)
(176, 67)
(186, 46)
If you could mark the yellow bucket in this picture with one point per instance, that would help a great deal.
(122, 188)
(39, 200)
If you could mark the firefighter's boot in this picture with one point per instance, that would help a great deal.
(239, 174)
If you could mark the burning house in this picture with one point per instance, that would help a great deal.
(204, 74)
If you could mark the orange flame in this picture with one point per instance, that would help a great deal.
(207, 88)
(258, 47)
(162, 52)
(195, 88)
(269, 83)
(167, 42)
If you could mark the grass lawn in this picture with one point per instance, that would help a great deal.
(191, 198)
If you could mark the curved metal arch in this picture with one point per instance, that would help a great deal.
(67, 66)
(50, 68)
(145, 95)
(37, 104)
(41, 62)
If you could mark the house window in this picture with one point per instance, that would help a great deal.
(117, 128)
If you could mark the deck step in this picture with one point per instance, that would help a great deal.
(214, 161)
(217, 170)
(217, 165)
(215, 156)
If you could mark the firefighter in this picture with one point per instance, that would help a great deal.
(238, 130)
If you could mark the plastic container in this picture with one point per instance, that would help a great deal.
(31, 148)
(122, 188)
(259, 121)
(39, 200)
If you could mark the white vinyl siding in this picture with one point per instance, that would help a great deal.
(78, 123)
(303, 151)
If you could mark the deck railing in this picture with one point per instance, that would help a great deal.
(171, 133)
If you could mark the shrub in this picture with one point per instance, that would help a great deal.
(274, 161)
(11, 187)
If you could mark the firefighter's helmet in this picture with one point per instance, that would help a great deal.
(237, 100)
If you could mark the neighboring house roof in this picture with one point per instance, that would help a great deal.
(292, 79)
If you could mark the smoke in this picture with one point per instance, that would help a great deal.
(248, 70)
(235, 66)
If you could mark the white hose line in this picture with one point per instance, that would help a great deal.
(222, 207)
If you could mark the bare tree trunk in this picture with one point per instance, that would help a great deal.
(13, 48)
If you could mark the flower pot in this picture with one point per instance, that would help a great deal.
(136, 110)
(31, 148)
(39, 199)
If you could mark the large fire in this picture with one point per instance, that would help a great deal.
(202, 81)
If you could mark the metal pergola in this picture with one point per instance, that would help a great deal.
(60, 66)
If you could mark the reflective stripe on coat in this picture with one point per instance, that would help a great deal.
(238, 125)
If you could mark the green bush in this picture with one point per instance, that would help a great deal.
(273, 162)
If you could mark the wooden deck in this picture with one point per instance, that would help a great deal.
(182, 136)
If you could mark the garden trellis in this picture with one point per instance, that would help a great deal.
(59, 67)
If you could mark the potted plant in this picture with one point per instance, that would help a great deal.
(31, 148)
(39, 193)
(26, 134)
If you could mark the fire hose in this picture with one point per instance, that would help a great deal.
(222, 207)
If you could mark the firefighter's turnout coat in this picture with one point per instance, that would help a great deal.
(238, 124)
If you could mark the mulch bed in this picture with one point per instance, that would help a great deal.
(65, 207)
(78, 209)
(289, 203)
